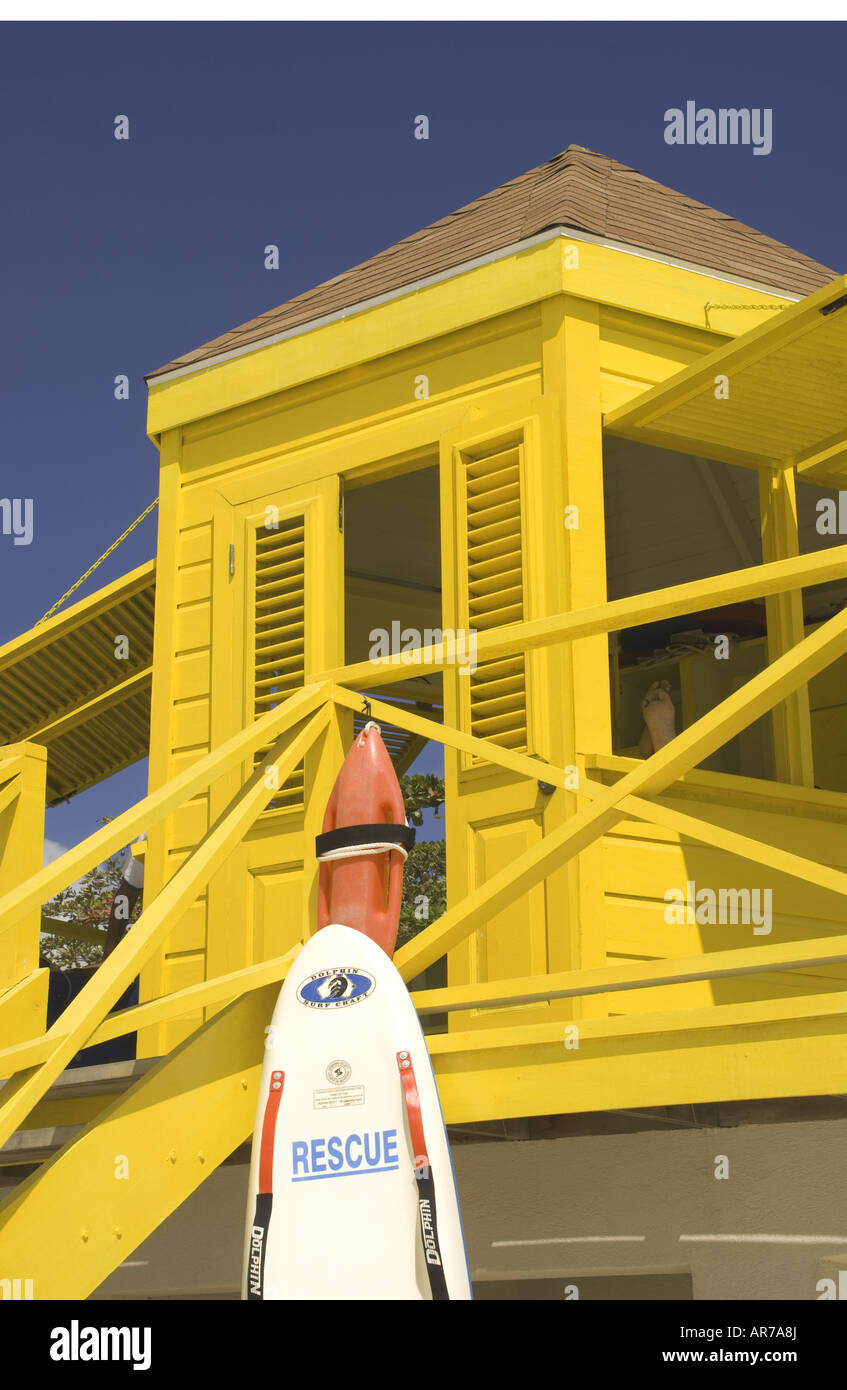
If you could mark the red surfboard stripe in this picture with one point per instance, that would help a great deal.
(413, 1107)
(266, 1152)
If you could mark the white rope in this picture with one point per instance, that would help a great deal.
(350, 853)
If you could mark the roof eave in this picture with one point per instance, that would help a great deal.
(540, 238)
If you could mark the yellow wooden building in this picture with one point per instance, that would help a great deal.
(582, 434)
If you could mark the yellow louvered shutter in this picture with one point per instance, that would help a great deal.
(279, 630)
(496, 700)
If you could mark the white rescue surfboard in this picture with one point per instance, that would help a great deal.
(352, 1194)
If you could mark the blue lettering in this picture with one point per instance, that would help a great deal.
(335, 1155)
(389, 1145)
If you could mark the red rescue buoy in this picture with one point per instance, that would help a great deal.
(364, 844)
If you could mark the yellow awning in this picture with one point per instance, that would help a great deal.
(777, 394)
(63, 685)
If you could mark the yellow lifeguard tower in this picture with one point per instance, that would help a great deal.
(580, 435)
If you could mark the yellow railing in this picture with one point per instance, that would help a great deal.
(291, 728)
(759, 581)
(295, 725)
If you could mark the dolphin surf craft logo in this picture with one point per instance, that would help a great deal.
(336, 988)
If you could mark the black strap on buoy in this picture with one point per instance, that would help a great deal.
(379, 837)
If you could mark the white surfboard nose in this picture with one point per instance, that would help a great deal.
(343, 1154)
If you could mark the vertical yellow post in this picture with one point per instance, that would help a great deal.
(571, 371)
(23, 1011)
(323, 764)
(153, 1041)
(325, 643)
(791, 719)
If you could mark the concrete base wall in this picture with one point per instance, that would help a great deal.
(633, 1216)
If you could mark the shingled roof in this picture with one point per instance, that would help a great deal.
(578, 189)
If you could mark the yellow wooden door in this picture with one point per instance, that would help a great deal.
(283, 623)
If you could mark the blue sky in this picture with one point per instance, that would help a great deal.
(117, 256)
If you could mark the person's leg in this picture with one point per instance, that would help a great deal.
(659, 717)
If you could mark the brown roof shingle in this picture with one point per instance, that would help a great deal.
(578, 188)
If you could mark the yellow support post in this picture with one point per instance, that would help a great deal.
(792, 725)
(23, 987)
(165, 682)
(23, 1008)
(578, 694)
(323, 763)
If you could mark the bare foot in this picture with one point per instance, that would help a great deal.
(659, 716)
